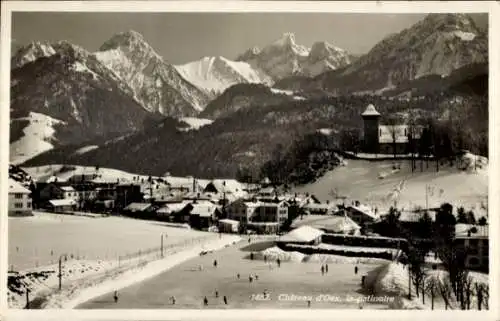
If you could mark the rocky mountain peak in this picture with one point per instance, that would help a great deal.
(131, 43)
(31, 52)
(323, 49)
(286, 43)
(459, 21)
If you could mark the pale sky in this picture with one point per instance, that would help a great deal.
(184, 37)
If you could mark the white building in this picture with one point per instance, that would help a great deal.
(19, 199)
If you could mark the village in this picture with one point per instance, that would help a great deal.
(279, 223)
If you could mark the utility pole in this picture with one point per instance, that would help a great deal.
(409, 281)
(432, 296)
(426, 197)
(27, 298)
(60, 271)
(423, 290)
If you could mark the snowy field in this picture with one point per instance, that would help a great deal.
(196, 123)
(361, 180)
(41, 239)
(36, 139)
(98, 250)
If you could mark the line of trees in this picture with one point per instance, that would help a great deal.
(458, 288)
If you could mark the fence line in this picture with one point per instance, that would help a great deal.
(78, 254)
(130, 261)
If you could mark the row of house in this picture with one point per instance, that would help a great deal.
(91, 192)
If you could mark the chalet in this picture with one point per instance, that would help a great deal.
(228, 226)
(169, 211)
(241, 210)
(361, 214)
(20, 203)
(140, 209)
(271, 212)
(202, 214)
(57, 191)
(230, 187)
(62, 205)
(305, 235)
(85, 192)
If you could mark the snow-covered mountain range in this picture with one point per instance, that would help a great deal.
(63, 94)
(156, 83)
(436, 45)
(215, 74)
(284, 58)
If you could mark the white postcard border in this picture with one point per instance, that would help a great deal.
(254, 6)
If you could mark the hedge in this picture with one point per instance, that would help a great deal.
(317, 250)
(365, 241)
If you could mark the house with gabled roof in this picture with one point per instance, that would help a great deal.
(20, 203)
(58, 191)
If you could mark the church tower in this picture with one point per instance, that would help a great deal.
(370, 130)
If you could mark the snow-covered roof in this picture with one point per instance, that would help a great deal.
(302, 234)
(63, 202)
(173, 207)
(252, 204)
(370, 111)
(229, 221)
(365, 210)
(273, 204)
(204, 209)
(137, 207)
(334, 224)
(16, 187)
(227, 185)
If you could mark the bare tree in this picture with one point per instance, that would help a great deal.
(445, 290)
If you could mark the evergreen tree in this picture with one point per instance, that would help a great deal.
(462, 216)
(471, 218)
